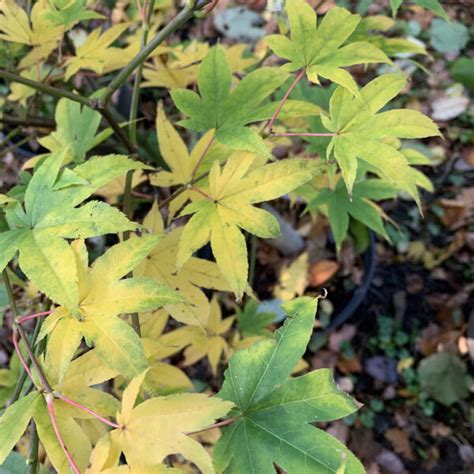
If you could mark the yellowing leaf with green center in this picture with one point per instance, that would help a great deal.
(229, 206)
(201, 342)
(98, 54)
(361, 132)
(183, 165)
(319, 49)
(50, 214)
(274, 412)
(103, 294)
(77, 126)
(157, 427)
(194, 274)
(229, 112)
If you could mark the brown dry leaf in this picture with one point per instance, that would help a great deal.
(322, 271)
(454, 212)
(349, 366)
(440, 429)
(400, 442)
(432, 339)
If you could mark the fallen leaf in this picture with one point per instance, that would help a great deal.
(400, 442)
(293, 279)
(322, 271)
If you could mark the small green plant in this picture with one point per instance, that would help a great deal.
(95, 379)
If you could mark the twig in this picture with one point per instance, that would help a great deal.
(27, 122)
(45, 88)
(180, 19)
(33, 461)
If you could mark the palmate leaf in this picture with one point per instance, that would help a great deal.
(363, 133)
(67, 13)
(51, 214)
(339, 207)
(97, 54)
(228, 112)
(102, 295)
(318, 49)
(157, 427)
(76, 128)
(193, 275)
(274, 411)
(228, 206)
(201, 342)
(181, 162)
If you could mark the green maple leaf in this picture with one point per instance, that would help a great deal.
(228, 112)
(67, 12)
(434, 5)
(339, 207)
(363, 133)
(50, 214)
(274, 411)
(319, 49)
(229, 205)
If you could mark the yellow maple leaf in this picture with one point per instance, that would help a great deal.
(195, 273)
(102, 296)
(201, 342)
(157, 427)
(182, 164)
(98, 54)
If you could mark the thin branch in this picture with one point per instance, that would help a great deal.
(45, 88)
(33, 460)
(27, 122)
(105, 112)
(180, 19)
(270, 123)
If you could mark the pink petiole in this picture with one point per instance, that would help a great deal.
(49, 403)
(22, 319)
(87, 410)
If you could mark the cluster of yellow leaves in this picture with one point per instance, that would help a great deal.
(178, 66)
(197, 273)
(40, 33)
